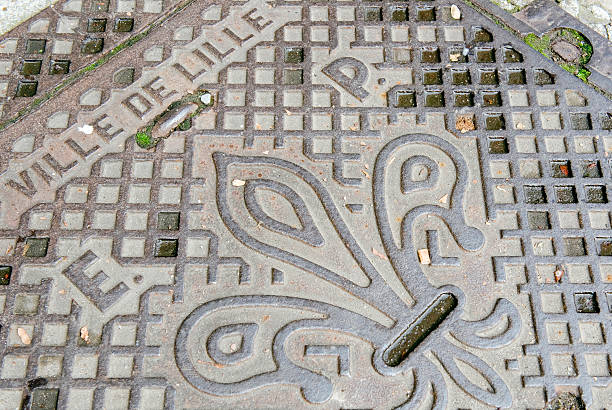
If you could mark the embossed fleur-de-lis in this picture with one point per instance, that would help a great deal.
(422, 199)
(281, 210)
(453, 358)
(432, 204)
(226, 348)
(432, 199)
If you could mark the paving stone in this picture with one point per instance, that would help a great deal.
(58, 120)
(516, 76)
(49, 366)
(565, 194)
(574, 246)
(168, 221)
(124, 334)
(26, 304)
(31, 67)
(498, 145)
(538, 220)
(406, 99)
(166, 248)
(564, 401)
(529, 168)
(13, 367)
(96, 25)
(124, 76)
(57, 67)
(84, 366)
(596, 194)
(535, 194)
(35, 46)
(54, 334)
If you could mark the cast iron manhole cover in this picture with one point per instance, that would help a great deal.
(296, 204)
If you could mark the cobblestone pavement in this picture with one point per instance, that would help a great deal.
(299, 204)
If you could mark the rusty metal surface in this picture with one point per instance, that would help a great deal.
(377, 204)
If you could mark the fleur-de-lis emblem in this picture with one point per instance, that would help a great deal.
(391, 306)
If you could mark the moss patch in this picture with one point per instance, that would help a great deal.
(583, 74)
(185, 125)
(539, 44)
(505, 26)
(570, 37)
(144, 137)
(580, 41)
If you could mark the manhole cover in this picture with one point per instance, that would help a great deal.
(295, 204)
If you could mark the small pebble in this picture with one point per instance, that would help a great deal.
(23, 335)
(206, 98)
(86, 129)
(455, 12)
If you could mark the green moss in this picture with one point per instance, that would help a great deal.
(185, 125)
(580, 41)
(143, 139)
(568, 67)
(583, 74)
(512, 10)
(540, 44)
(173, 106)
(530, 37)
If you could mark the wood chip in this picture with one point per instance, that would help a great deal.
(424, 256)
(23, 335)
(85, 334)
(443, 199)
(465, 123)
(558, 275)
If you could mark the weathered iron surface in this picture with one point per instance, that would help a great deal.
(361, 177)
